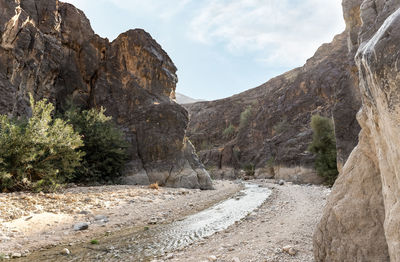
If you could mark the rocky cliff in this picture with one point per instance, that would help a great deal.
(49, 49)
(277, 129)
(362, 219)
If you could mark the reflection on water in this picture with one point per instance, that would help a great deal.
(157, 240)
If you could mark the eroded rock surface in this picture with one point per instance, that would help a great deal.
(362, 219)
(48, 48)
(277, 131)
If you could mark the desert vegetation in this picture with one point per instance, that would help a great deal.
(42, 152)
(324, 147)
(229, 131)
(244, 118)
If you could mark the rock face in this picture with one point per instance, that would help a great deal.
(277, 129)
(361, 221)
(48, 48)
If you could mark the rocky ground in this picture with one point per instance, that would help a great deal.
(30, 221)
(280, 230)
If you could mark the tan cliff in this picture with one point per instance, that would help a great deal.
(49, 49)
(361, 221)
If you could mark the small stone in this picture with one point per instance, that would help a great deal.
(87, 199)
(101, 218)
(212, 258)
(292, 251)
(235, 259)
(81, 226)
(153, 221)
(65, 251)
(281, 182)
(169, 256)
(16, 255)
(84, 212)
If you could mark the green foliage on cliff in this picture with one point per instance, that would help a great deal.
(104, 145)
(324, 147)
(244, 118)
(39, 152)
(229, 132)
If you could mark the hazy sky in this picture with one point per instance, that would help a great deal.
(223, 47)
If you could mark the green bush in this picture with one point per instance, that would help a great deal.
(37, 153)
(324, 147)
(104, 145)
(249, 169)
(244, 118)
(229, 131)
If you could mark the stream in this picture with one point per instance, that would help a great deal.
(145, 244)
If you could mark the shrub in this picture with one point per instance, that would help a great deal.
(244, 118)
(94, 242)
(324, 147)
(229, 131)
(249, 169)
(37, 153)
(104, 145)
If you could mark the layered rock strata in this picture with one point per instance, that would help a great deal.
(49, 49)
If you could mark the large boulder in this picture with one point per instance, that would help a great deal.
(49, 49)
(361, 221)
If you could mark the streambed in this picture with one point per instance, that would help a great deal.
(143, 244)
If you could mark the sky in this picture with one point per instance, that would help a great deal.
(223, 47)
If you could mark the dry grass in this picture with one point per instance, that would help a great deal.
(154, 186)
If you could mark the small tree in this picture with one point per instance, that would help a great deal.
(324, 147)
(104, 145)
(38, 153)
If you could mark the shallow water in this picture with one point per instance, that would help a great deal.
(145, 244)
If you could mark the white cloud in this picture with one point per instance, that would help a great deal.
(286, 32)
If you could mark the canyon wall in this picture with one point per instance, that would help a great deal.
(361, 221)
(277, 130)
(49, 49)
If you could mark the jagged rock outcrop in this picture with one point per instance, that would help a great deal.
(49, 49)
(361, 221)
(277, 131)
